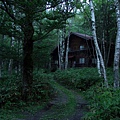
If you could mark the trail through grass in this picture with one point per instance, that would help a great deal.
(61, 110)
(63, 107)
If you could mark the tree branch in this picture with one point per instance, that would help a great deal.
(5, 8)
(46, 8)
(43, 36)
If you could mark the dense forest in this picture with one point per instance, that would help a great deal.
(30, 30)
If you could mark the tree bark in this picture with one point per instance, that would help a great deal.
(67, 50)
(1, 61)
(27, 60)
(103, 44)
(61, 49)
(96, 43)
(0, 68)
(108, 53)
(98, 63)
(11, 60)
(117, 47)
(59, 52)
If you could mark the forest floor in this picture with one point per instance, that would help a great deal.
(66, 105)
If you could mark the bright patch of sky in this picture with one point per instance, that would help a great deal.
(86, 1)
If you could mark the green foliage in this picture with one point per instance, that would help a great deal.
(7, 52)
(6, 115)
(78, 78)
(104, 103)
(42, 88)
(43, 49)
(110, 76)
(9, 91)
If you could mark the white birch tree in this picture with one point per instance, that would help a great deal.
(11, 60)
(67, 50)
(0, 69)
(117, 47)
(61, 49)
(59, 55)
(1, 60)
(96, 43)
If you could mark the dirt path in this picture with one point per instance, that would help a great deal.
(67, 105)
(80, 108)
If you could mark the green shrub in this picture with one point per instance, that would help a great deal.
(78, 78)
(9, 90)
(104, 104)
(42, 88)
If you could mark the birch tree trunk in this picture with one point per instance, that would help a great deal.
(61, 49)
(11, 60)
(117, 47)
(59, 55)
(1, 60)
(108, 53)
(67, 50)
(98, 63)
(11, 44)
(103, 44)
(0, 68)
(18, 69)
(96, 43)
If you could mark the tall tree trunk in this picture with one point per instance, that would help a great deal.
(103, 44)
(67, 50)
(117, 47)
(61, 52)
(11, 60)
(27, 59)
(59, 56)
(1, 61)
(96, 43)
(98, 63)
(66, 55)
(61, 49)
(0, 68)
(10, 66)
(108, 53)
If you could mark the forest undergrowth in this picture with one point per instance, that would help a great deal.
(103, 103)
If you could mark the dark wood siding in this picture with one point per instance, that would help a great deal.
(86, 52)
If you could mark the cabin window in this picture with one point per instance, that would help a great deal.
(82, 60)
(82, 47)
(94, 61)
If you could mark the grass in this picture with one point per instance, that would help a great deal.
(62, 110)
(103, 103)
(59, 111)
(15, 113)
(9, 114)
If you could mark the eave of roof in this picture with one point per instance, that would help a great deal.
(84, 36)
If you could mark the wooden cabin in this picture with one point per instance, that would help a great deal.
(81, 51)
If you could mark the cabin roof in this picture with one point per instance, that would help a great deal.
(84, 36)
